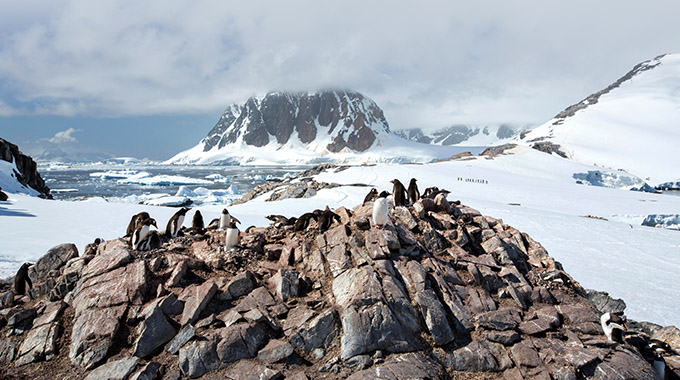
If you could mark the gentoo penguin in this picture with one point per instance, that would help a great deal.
(225, 220)
(277, 220)
(431, 192)
(303, 221)
(232, 236)
(658, 349)
(134, 222)
(175, 222)
(197, 221)
(326, 219)
(440, 201)
(413, 193)
(380, 210)
(399, 193)
(152, 241)
(21, 279)
(613, 326)
(371, 195)
(141, 232)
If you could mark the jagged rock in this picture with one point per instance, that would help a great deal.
(409, 366)
(55, 258)
(195, 298)
(525, 355)
(505, 338)
(604, 303)
(297, 317)
(155, 332)
(185, 334)
(169, 305)
(502, 319)
(275, 351)
(542, 320)
(240, 285)
(258, 298)
(475, 357)
(285, 282)
(317, 333)
(116, 370)
(252, 371)
(6, 299)
(241, 341)
(403, 215)
(17, 315)
(177, 274)
(230, 317)
(580, 357)
(435, 317)
(623, 364)
(41, 342)
(198, 357)
(150, 371)
(579, 314)
(100, 303)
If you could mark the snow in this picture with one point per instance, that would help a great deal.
(532, 191)
(665, 221)
(633, 127)
(144, 178)
(8, 180)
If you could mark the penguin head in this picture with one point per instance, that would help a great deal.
(197, 214)
(184, 210)
(150, 222)
(383, 194)
(413, 181)
(232, 225)
(224, 212)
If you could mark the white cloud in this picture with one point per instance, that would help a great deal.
(434, 62)
(64, 136)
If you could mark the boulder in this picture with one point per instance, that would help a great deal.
(150, 371)
(285, 283)
(241, 341)
(317, 333)
(275, 351)
(240, 285)
(501, 319)
(198, 357)
(41, 342)
(670, 335)
(185, 334)
(115, 370)
(155, 331)
(55, 258)
(435, 317)
(196, 298)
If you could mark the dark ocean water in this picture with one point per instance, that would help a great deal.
(82, 181)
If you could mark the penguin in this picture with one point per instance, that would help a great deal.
(326, 219)
(152, 241)
(659, 348)
(225, 220)
(139, 235)
(197, 221)
(371, 196)
(175, 222)
(399, 193)
(21, 279)
(440, 201)
(613, 325)
(134, 222)
(91, 249)
(380, 209)
(277, 220)
(232, 236)
(431, 192)
(413, 193)
(3, 196)
(302, 222)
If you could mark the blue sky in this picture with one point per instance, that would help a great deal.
(148, 79)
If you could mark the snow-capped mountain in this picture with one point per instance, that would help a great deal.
(632, 125)
(464, 135)
(327, 126)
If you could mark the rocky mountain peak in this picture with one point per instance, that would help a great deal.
(333, 120)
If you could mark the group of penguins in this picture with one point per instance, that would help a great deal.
(144, 238)
(614, 327)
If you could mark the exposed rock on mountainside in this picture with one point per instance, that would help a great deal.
(441, 292)
(27, 173)
(459, 134)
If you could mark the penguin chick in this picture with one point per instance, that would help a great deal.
(326, 219)
(175, 222)
(134, 222)
(21, 279)
(380, 210)
(398, 192)
(613, 326)
(197, 221)
(232, 236)
(413, 192)
(371, 195)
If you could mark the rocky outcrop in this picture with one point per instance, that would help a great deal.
(27, 173)
(440, 292)
(458, 134)
(346, 118)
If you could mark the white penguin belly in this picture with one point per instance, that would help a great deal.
(380, 212)
(232, 237)
(225, 219)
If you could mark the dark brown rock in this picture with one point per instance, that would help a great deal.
(275, 351)
(195, 299)
(501, 319)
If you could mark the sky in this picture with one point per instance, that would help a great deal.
(149, 79)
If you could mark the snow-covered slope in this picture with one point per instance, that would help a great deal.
(633, 125)
(465, 135)
(9, 182)
(295, 128)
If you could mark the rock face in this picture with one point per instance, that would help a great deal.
(434, 295)
(460, 134)
(323, 121)
(27, 173)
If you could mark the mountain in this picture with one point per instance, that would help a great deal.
(632, 125)
(327, 126)
(464, 135)
(19, 173)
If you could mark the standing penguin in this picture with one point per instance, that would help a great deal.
(21, 279)
(225, 220)
(232, 236)
(371, 195)
(399, 193)
(140, 234)
(134, 222)
(413, 192)
(613, 326)
(326, 219)
(197, 221)
(175, 222)
(380, 210)
(659, 348)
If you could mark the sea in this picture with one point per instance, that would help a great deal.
(146, 182)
